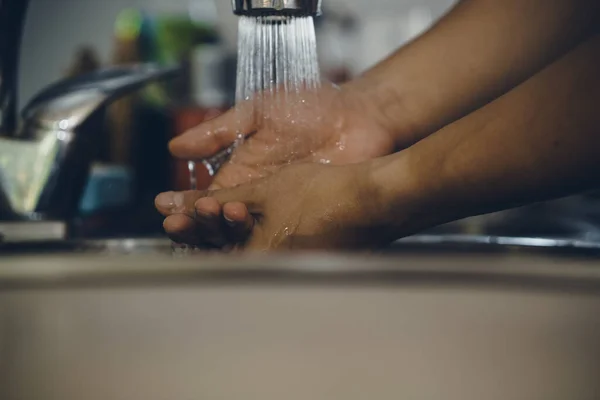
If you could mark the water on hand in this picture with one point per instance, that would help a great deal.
(277, 83)
(278, 79)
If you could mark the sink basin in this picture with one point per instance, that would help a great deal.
(142, 324)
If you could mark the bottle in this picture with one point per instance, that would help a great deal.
(209, 99)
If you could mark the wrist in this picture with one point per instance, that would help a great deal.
(388, 106)
(406, 194)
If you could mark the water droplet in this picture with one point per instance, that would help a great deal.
(341, 145)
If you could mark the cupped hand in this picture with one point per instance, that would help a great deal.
(328, 125)
(302, 206)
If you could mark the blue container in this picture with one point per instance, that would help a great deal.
(108, 186)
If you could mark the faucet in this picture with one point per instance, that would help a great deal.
(45, 155)
(276, 8)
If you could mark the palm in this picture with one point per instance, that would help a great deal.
(327, 126)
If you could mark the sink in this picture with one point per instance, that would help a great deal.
(433, 317)
(145, 325)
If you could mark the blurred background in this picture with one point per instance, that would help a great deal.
(353, 33)
(67, 38)
(130, 161)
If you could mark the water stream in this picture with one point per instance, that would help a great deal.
(276, 55)
(277, 67)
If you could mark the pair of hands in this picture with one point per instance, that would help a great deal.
(285, 186)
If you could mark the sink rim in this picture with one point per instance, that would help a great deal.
(430, 243)
(96, 269)
(461, 242)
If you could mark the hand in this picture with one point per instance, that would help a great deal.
(303, 206)
(330, 125)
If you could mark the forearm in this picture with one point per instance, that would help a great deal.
(477, 52)
(537, 142)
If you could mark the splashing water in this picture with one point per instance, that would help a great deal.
(277, 73)
(277, 70)
(278, 78)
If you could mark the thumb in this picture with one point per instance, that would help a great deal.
(214, 135)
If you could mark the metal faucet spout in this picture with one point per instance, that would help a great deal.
(43, 170)
(276, 7)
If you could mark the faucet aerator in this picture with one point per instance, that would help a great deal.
(277, 8)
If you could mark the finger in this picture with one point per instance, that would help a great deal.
(169, 203)
(239, 221)
(182, 229)
(252, 195)
(233, 174)
(215, 135)
(209, 222)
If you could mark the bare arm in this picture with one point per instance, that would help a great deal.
(477, 52)
(539, 141)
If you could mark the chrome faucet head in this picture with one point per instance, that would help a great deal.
(258, 8)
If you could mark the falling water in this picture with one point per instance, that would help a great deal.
(278, 69)
(277, 73)
(276, 55)
(277, 80)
